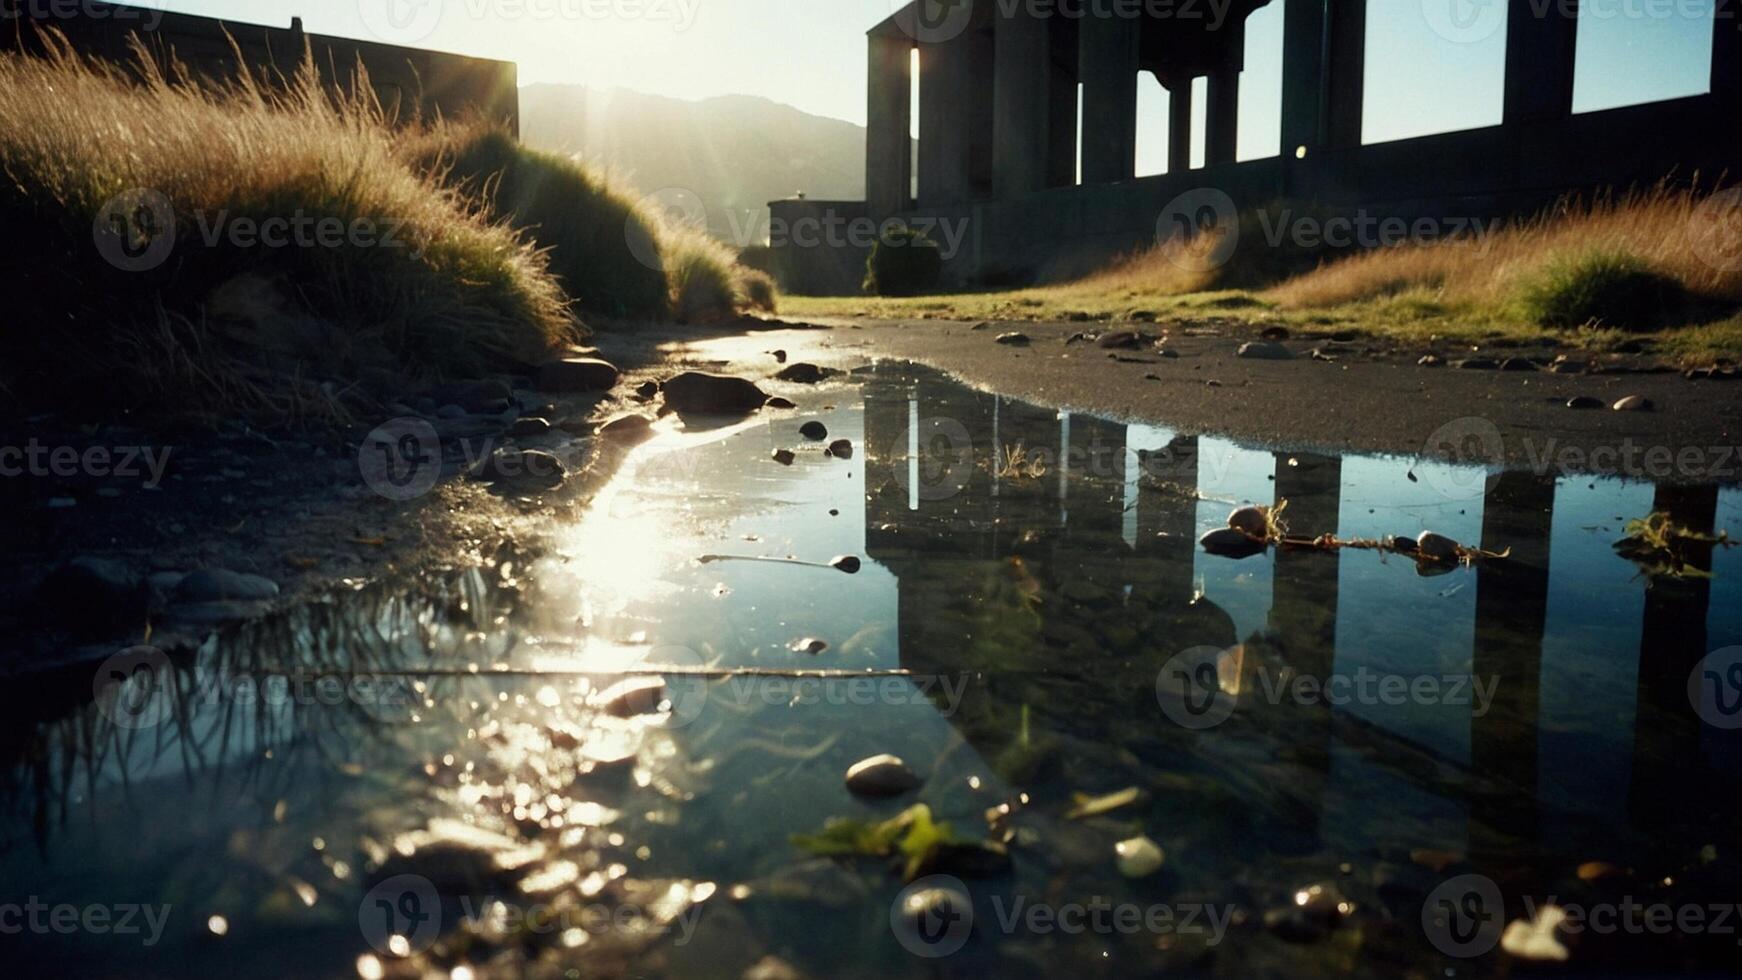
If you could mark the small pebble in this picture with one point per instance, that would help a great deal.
(1251, 520)
(1633, 403)
(881, 775)
(1536, 940)
(841, 449)
(814, 431)
(1436, 546)
(1139, 857)
(846, 563)
(785, 457)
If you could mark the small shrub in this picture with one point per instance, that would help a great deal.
(757, 290)
(903, 263)
(700, 272)
(1606, 288)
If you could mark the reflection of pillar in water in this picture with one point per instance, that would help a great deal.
(885, 449)
(1666, 738)
(1089, 557)
(1303, 614)
(1511, 608)
(1167, 511)
(953, 434)
(1027, 501)
(1095, 476)
(1304, 609)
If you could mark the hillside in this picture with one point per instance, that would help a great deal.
(735, 152)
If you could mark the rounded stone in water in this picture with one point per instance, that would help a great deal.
(1437, 546)
(847, 563)
(1139, 857)
(881, 775)
(814, 431)
(1251, 520)
(1227, 542)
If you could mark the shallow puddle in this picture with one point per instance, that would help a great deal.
(597, 757)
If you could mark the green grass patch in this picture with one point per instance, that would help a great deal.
(903, 263)
(1605, 289)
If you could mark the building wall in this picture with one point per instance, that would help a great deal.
(413, 83)
(1028, 221)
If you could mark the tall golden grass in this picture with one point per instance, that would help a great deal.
(457, 292)
(467, 286)
(1673, 231)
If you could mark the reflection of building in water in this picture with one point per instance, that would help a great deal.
(1068, 602)
(1667, 754)
(1511, 610)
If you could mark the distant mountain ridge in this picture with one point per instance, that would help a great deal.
(735, 152)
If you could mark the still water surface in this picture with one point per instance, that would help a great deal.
(415, 767)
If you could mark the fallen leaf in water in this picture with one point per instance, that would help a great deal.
(1094, 806)
(1435, 860)
(1536, 940)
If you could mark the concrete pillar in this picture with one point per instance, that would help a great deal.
(1303, 75)
(1020, 104)
(1540, 43)
(1179, 127)
(1222, 118)
(1727, 51)
(1061, 128)
(1108, 65)
(955, 94)
(889, 124)
(1345, 71)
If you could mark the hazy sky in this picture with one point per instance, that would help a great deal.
(1433, 65)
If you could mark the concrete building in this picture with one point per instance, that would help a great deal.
(998, 95)
(412, 83)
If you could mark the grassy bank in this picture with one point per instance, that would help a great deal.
(614, 253)
(129, 206)
(286, 251)
(1646, 268)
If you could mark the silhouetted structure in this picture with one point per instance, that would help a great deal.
(998, 114)
(412, 83)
